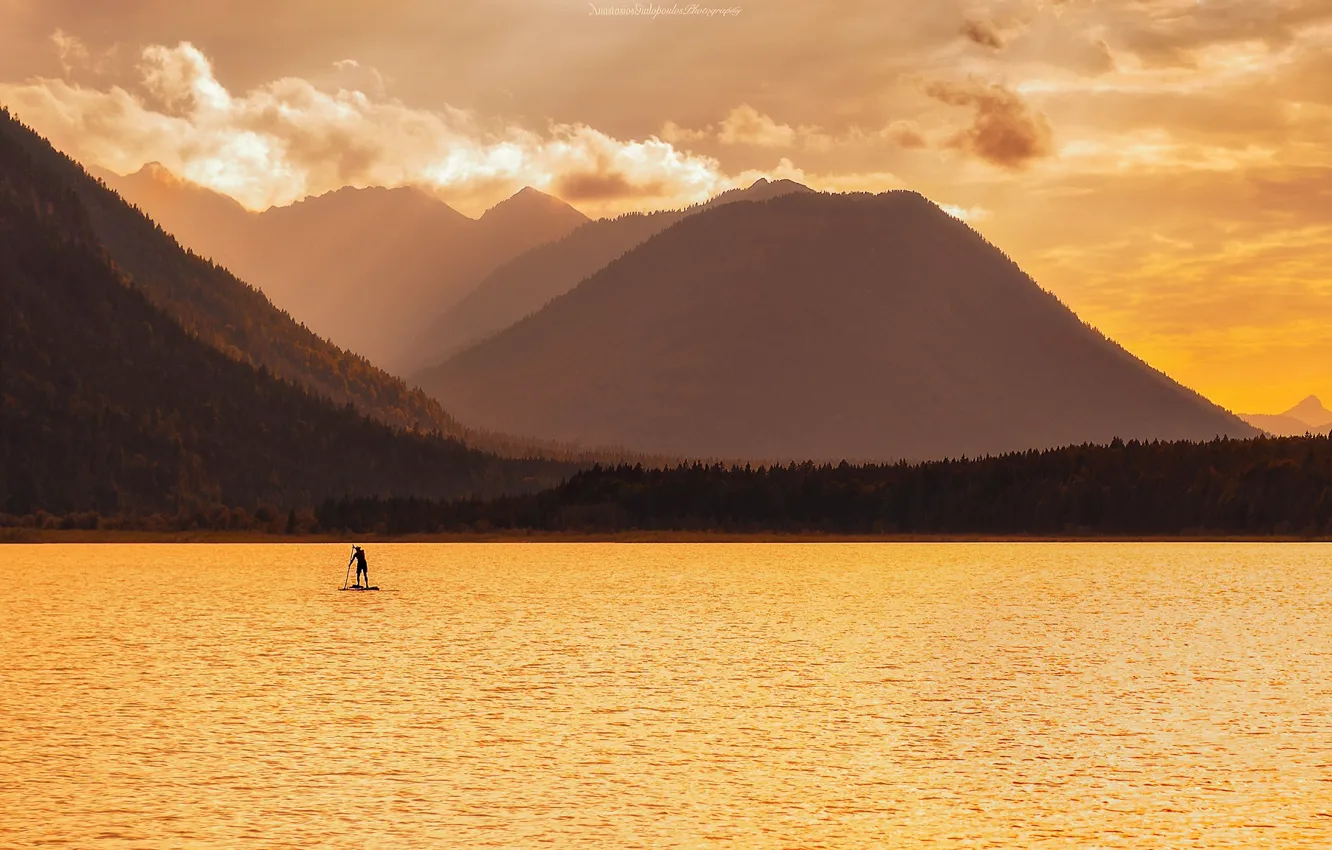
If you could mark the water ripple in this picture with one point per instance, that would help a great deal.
(972, 695)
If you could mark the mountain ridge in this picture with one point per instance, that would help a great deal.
(1311, 411)
(689, 343)
(1309, 416)
(366, 266)
(530, 280)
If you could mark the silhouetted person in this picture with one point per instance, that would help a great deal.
(362, 568)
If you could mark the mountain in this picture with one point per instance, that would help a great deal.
(209, 223)
(1309, 416)
(212, 304)
(761, 189)
(1311, 412)
(110, 405)
(364, 267)
(357, 265)
(872, 327)
(532, 217)
(528, 282)
(1276, 424)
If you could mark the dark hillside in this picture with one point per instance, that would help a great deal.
(110, 405)
(221, 310)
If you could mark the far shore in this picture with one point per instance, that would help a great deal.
(34, 535)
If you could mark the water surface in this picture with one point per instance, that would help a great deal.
(668, 695)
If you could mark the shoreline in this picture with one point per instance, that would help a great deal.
(38, 536)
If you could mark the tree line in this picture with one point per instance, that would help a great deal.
(1263, 486)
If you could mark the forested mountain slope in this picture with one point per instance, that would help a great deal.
(108, 404)
(211, 303)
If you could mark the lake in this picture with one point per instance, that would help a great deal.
(653, 695)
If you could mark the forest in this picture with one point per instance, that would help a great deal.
(1261, 486)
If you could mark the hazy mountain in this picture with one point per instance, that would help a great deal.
(1276, 424)
(529, 281)
(110, 405)
(209, 223)
(817, 326)
(530, 217)
(1311, 412)
(358, 265)
(222, 311)
(364, 267)
(1309, 416)
(761, 189)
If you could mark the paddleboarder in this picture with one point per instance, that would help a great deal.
(358, 555)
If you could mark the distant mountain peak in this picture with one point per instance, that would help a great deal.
(390, 206)
(528, 200)
(203, 217)
(783, 183)
(760, 190)
(376, 191)
(157, 173)
(1311, 411)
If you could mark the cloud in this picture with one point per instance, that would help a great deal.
(287, 139)
(1004, 131)
(602, 185)
(974, 213)
(75, 56)
(71, 50)
(674, 133)
(1175, 32)
(747, 126)
(905, 134)
(982, 33)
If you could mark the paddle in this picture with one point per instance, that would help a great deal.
(349, 563)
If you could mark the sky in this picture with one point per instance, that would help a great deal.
(1163, 166)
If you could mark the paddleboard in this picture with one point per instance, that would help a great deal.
(359, 588)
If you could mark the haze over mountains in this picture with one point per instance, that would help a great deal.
(772, 323)
(367, 268)
(1307, 417)
(529, 281)
(396, 275)
(224, 312)
(822, 327)
(122, 393)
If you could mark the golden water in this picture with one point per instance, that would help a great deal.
(668, 695)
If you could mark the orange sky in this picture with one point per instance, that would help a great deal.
(1164, 167)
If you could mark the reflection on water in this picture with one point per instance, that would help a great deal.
(656, 695)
